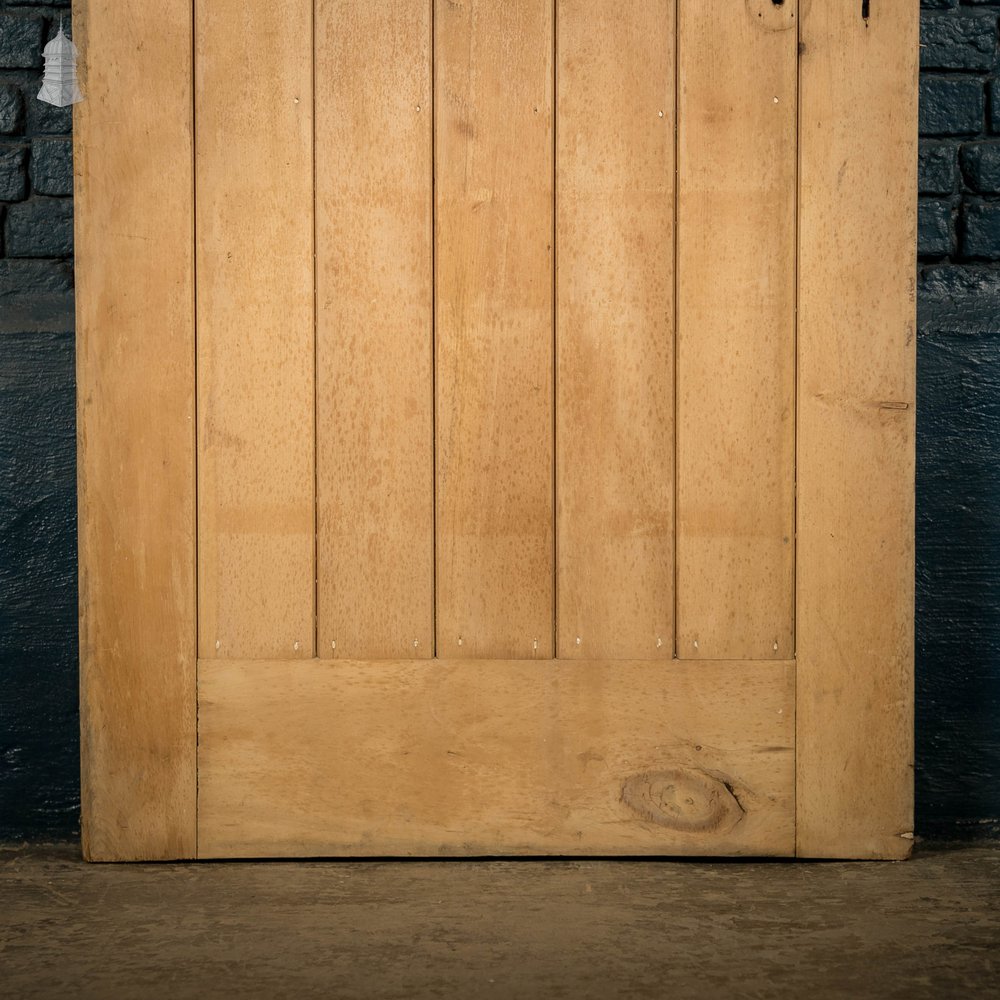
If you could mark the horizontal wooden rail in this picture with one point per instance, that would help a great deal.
(484, 757)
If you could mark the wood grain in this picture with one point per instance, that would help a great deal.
(486, 751)
(375, 404)
(856, 430)
(614, 329)
(494, 339)
(495, 757)
(736, 328)
(135, 384)
(256, 344)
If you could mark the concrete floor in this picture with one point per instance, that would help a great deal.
(929, 927)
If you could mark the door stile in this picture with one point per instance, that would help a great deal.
(136, 438)
(856, 406)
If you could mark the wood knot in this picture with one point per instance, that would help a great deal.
(686, 800)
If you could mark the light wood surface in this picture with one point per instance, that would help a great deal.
(256, 463)
(494, 195)
(374, 295)
(856, 430)
(135, 385)
(736, 328)
(541, 402)
(495, 757)
(614, 332)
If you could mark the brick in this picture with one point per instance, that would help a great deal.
(35, 296)
(948, 42)
(980, 230)
(951, 105)
(21, 41)
(34, 279)
(958, 301)
(46, 119)
(981, 166)
(52, 166)
(937, 167)
(995, 104)
(934, 228)
(13, 175)
(939, 4)
(11, 109)
(42, 227)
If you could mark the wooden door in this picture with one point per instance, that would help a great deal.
(496, 427)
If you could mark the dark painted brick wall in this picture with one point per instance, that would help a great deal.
(958, 421)
(958, 477)
(39, 745)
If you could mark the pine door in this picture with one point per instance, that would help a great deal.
(496, 427)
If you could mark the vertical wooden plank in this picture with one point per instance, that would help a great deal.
(614, 329)
(494, 197)
(375, 403)
(254, 177)
(136, 383)
(736, 328)
(856, 429)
